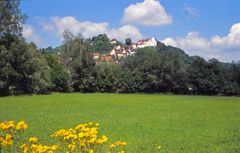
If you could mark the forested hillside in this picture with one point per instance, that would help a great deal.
(26, 69)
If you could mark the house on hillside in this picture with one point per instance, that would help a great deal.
(113, 41)
(106, 58)
(96, 55)
(130, 51)
(134, 46)
(118, 52)
(152, 42)
(113, 51)
(121, 53)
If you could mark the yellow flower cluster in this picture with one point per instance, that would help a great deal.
(7, 131)
(7, 125)
(118, 143)
(7, 140)
(21, 125)
(33, 139)
(11, 125)
(83, 137)
(116, 147)
(34, 147)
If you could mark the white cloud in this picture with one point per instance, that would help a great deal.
(191, 10)
(193, 44)
(232, 40)
(226, 48)
(88, 29)
(193, 41)
(169, 41)
(126, 31)
(30, 34)
(148, 13)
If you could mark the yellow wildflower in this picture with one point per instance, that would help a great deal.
(112, 145)
(1, 138)
(54, 147)
(118, 143)
(24, 148)
(21, 125)
(71, 147)
(7, 125)
(33, 140)
(8, 140)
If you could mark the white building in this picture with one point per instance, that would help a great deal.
(134, 46)
(152, 42)
(120, 52)
(113, 41)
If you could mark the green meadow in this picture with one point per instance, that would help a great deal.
(180, 124)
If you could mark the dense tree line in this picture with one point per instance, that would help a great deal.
(161, 69)
(22, 68)
(25, 69)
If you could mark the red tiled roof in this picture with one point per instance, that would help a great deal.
(106, 58)
(140, 42)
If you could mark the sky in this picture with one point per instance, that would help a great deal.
(207, 28)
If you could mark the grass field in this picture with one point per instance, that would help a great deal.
(181, 124)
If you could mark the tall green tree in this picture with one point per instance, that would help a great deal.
(79, 61)
(128, 41)
(157, 71)
(11, 18)
(101, 44)
(197, 74)
(231, 74)
(60, 77)
(22, 69)
(11, 21)
(107, 77)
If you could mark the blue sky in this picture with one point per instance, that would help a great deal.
(209, 28)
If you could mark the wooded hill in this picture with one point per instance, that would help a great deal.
(26, 69)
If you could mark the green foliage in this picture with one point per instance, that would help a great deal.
(157, 72)
(129, 81)
(79, 62)
(128, 41)
(212, 77)
(161, 48)
(56, 50)
(11, 18)
(83, 77)
(107, 77)
(231, 89)
(101, 44)
(197, 74)
(60, 77)
(23, 70)
(5, 70)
